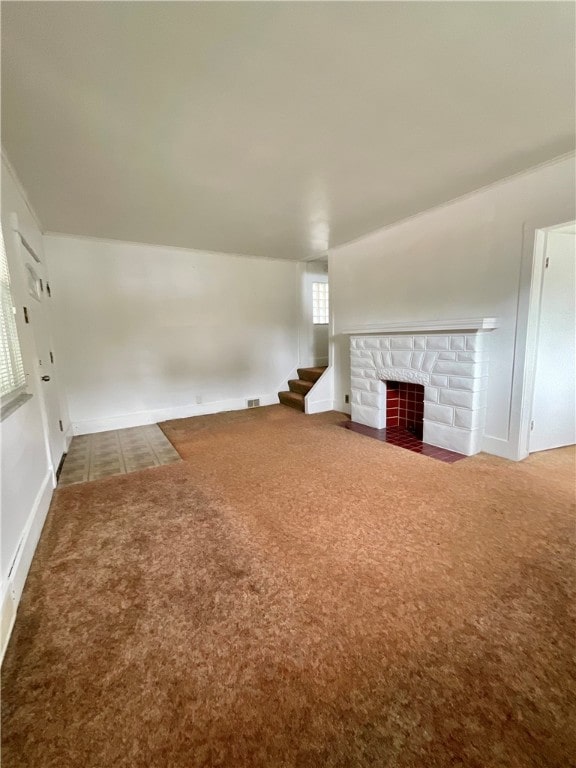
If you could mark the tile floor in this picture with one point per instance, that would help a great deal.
(119, 452)
(403, 439)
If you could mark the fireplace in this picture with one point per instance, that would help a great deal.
(449, 370)
(405, 407)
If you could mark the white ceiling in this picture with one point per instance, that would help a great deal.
(275, 129)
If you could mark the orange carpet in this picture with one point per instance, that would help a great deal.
(294, 595)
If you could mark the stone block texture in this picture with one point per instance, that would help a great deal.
(453, 369)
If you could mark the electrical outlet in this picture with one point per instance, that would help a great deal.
(346, 398)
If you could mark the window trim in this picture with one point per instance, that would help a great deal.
(10, 401)
(324, 295)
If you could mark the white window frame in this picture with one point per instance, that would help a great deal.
(12, 375)
(320, 303)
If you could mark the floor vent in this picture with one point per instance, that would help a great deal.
(253, 403)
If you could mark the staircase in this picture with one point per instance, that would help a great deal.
(300, 387)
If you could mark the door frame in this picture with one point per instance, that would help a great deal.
(534, 304)
(35, 370)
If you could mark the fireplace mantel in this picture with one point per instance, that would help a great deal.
(426, 326)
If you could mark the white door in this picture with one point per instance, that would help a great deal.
(554, 405)
(45, 368)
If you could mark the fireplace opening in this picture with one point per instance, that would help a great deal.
(405, 407)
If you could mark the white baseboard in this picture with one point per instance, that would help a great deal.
(319, 406)
(12, 587)
(497, 446)
(69, 434)
(141, 418)
(8, 607)
(342, 407)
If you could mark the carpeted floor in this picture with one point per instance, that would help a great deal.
(294, 595)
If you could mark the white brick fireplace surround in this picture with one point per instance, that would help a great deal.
(449, 359)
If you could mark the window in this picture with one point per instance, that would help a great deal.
(12, 378)
(320, 303)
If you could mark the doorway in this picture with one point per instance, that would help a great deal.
(44, 367)
(553, 414)
(315, 334)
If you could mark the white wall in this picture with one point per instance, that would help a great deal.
(468, 258)
(313, 338)
(147, 333)
(26, 471)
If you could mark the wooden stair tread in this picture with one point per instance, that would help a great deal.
(301, 386)
(293, 399)
(311, 374)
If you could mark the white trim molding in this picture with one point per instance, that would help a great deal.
(321, 396)
(422, 326)
(141, 418)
